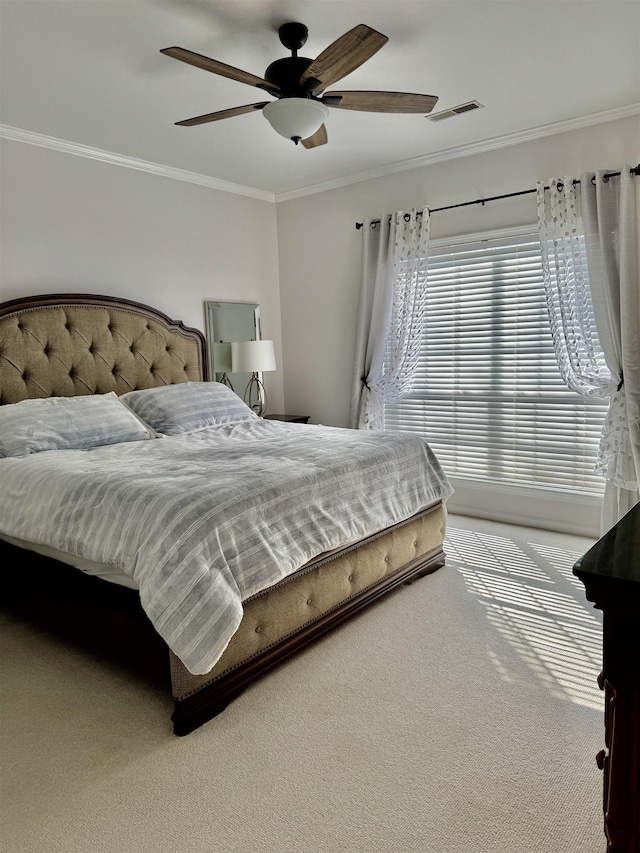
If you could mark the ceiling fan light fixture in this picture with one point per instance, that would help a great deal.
(299, 84)
(295, 118)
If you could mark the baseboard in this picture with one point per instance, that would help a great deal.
(530, 506)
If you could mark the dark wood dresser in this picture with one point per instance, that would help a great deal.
(610, 572)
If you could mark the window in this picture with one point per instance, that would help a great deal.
(488, 396)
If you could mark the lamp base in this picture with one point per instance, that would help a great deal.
(224, 380)
(255, 395)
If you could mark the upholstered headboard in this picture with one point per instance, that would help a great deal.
(65, 345)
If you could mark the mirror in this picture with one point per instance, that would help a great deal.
(227, 322)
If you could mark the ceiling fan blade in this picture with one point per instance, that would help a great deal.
(234, 111)
(343, 56)
(319, 138)
(381, 102)
(220, 68)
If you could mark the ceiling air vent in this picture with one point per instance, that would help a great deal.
(455, 111)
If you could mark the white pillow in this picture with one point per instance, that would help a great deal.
(187, 407)
(67, 423)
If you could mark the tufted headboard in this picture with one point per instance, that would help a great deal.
(69, 344)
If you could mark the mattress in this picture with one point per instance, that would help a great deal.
(89, 567)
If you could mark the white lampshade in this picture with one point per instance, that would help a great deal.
(252, 356)
(295, 118)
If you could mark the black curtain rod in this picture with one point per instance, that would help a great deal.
(634, 171)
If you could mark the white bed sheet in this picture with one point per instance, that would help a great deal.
(99, 570)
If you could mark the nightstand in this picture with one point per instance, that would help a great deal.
(290, 419)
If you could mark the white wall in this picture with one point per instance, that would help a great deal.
(72, 224)
(320, 273)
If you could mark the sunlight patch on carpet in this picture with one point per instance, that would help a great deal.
(534, 604)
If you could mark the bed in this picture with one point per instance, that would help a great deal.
(322, 569)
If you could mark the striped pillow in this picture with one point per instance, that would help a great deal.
(67, 423)
(188, 406)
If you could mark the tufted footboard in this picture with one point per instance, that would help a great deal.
(299, 609)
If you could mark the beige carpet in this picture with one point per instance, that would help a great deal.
(459, 715)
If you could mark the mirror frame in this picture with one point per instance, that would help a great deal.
(254, 333)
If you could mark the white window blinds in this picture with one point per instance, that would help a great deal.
(488, 396)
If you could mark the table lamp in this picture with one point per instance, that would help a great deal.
(253, 357)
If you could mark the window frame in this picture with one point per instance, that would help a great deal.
(553, 506)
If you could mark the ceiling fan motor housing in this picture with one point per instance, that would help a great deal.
(286, 74)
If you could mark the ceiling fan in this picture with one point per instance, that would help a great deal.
(298, 84)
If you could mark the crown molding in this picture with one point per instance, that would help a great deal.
(468, 150)
(16, 134)
(32, 138)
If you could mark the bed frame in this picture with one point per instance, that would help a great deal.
(71, 344)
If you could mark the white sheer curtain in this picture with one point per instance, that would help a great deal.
(588, 239)
(390, 313)
(609, 215)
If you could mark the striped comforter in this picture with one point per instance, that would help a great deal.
(202, 522)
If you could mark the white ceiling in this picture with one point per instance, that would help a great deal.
(90, 71)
